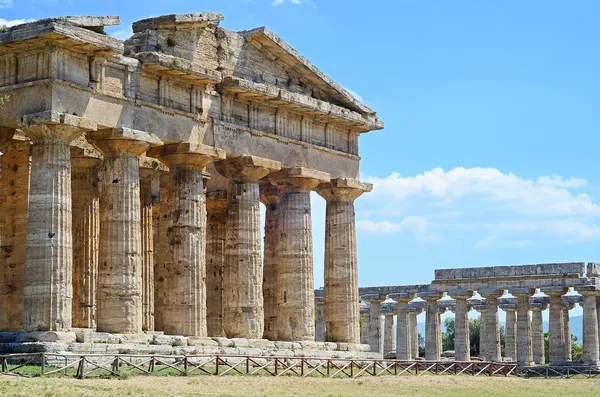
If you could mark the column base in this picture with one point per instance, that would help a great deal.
(88, 341)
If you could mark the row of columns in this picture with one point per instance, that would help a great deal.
(524, 338)
(100, 254)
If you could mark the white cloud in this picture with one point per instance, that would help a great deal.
(13, 22)
(278, 2)
(6, 4)
(493, 208)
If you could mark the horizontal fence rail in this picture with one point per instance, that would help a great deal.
(119, 365)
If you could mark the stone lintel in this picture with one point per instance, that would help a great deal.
(186, 155)
(93, 23)
(178, 21)
(460, 294)
(417, 305)
(555, 290)
(159, 63)
(343, 189)
(507, 301)
(377, 298)
(123, 140)
(402, 297)
(539, 270)
(522, 291)
(593, 269)
(430, 295)
(491, 292)
(298, 178)
(37, 125)
(587, 290)
(247, 168)
(571, 299)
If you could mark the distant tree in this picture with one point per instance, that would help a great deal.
(576, 349)
(421, 345)
(474, 324)
(448, 336)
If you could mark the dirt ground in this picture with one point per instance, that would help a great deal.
(442, 386)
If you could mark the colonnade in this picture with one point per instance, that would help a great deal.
(524, 338)
(100, 253)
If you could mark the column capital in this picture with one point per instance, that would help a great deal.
(375, 298)
(151, 168)
(491, 293)
(402, 297)
(508, 307)
(522, 291)
(84, 158)
(10, 136)
(269, 194)
(186, 155)
(480, 308)
(538, 307)
(216, 201)
(247, 168)
(430, 296)
(460, 294)
(54, 125)
(300, 178)
(555, 290)
(319, 301)
(343, 189)
(123, 140)
(588, 290)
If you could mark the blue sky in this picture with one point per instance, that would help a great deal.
(489, 154)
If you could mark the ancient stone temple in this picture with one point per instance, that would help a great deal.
(132, 177)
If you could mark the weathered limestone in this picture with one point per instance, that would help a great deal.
(119, 291)
(432, 327)
(492, 335)
(403, 329)
(556, 327)
(375, 335)
(295, 276)
(414, 334)
(510, 343)
(482, 331)
(270, 196)
(462, 344)
(523, 338)
(216, 207)
(14, 200)
(364, 329)
(186, 288)
(537, 335)
(591, 355)
(341, 265)
(388, 333)
(567, 332)
(86, 235)
(48, 289)
(162, 257)
(319, 321)
(243, 313)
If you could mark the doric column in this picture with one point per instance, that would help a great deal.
(270, 196)
(341, 266)
(482, 309)
(556, 328)
(388, 333)
(510, 342)
(492, 337)
(150, 170)
(432, 327)
(364, 329)
(119, 291)
(567, 329)
(462, 345)
(441, 310)
(186, 288)
(295, 315)
(590, 326)
(414, 333)
(243, 313)
(14, 200)
(537, 333)
(524, 331)
(319, 321)
(86, 234)
(48, 287)
(216, 207)
(403, 329)
(375, 334)
(162, 251)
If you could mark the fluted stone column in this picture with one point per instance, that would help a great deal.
(186, 288)
(591, 355)
(556, 329)
(403, 329)
(295, 315)
(441, 310)
(510, 342)
(319, 321)
(388, 333)
(341, 265)
(364, 329)
(270, 196)
(567, 331)
(482, 330)
(375, 334)
(537, 334)
(432, 327)
(14, 200)
(216, 207)
(86, 235)
(462, 345)
(492, 349)
(414, 334)
(162, 252)
(119, 291)
(243, 313)
(524, 332)
(48, 289)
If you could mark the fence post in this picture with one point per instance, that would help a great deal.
(417, 369)
(247, 365)
(116, 366)
(81, 367)
(43, 363)
(185, 365)
(352, 368)
(4, 365)
(217, 366)
(302, 367)
(276, 365)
